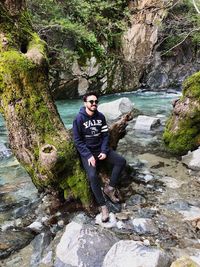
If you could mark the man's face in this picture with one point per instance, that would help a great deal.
(91, 103)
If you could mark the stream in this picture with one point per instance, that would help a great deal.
(161, 189)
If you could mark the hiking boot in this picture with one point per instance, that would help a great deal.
(105, 214)
(110, 193)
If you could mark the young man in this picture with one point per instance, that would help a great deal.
(90, 133)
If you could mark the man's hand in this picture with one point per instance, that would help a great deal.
(92, 161)
(101, 156)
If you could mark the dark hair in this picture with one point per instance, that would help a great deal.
(89, 94)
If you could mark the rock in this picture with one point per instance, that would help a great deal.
(184, 262)
(123, 216)
(131, 253)
(91, 67)
(36, 226)
(146, 123)
(82, 86)
(79, 245)
(10, 241)
(136, 200)
(144, 226)
(193, 213)
(4, 151)
(111, 223)
(117, 108)
(192, 159)
(172, 182)
(39, 244)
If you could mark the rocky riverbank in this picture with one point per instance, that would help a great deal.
(156, 223)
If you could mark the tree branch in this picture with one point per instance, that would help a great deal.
(196, 7)
(197, 29)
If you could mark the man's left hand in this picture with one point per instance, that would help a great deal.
(101, 156)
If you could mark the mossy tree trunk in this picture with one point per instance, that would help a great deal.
(37, 135)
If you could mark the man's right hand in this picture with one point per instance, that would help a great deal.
(92, 161)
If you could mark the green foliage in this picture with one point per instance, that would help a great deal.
(89, 22)
(183, 24)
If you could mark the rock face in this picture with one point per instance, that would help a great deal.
(182, 132)
(121, 67)
(130, 253)
(141, 37)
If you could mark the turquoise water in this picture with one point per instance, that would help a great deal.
(150, 103)
(16, 186)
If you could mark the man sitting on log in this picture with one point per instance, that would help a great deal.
(91, 137)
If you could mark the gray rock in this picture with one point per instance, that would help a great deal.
(36, 226)
(130, 253)
(117, 108)
(136, 200)
(146, 123)
(192, 159)
(80, 243)
(144, 226)
(39, 244)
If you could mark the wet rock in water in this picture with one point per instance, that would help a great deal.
(79, 245)
(130, 253)
(11, 241)
(144, 226)
(192, 159)
(143, 178)
(5, 152)
(184, 262)
(146, 123)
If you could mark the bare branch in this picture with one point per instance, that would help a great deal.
(196, 7)
(197, 29)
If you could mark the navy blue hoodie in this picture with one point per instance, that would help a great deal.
(90, 133)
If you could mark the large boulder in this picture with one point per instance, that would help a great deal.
(116, 108)
(131, 253)
(83, 245)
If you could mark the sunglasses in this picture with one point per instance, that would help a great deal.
(93, 101)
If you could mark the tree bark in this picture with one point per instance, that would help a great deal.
(37, 135)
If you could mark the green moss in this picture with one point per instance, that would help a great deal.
(191, 86)
(184, 139)
(78, 185)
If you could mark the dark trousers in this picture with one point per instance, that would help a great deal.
(118, 163)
